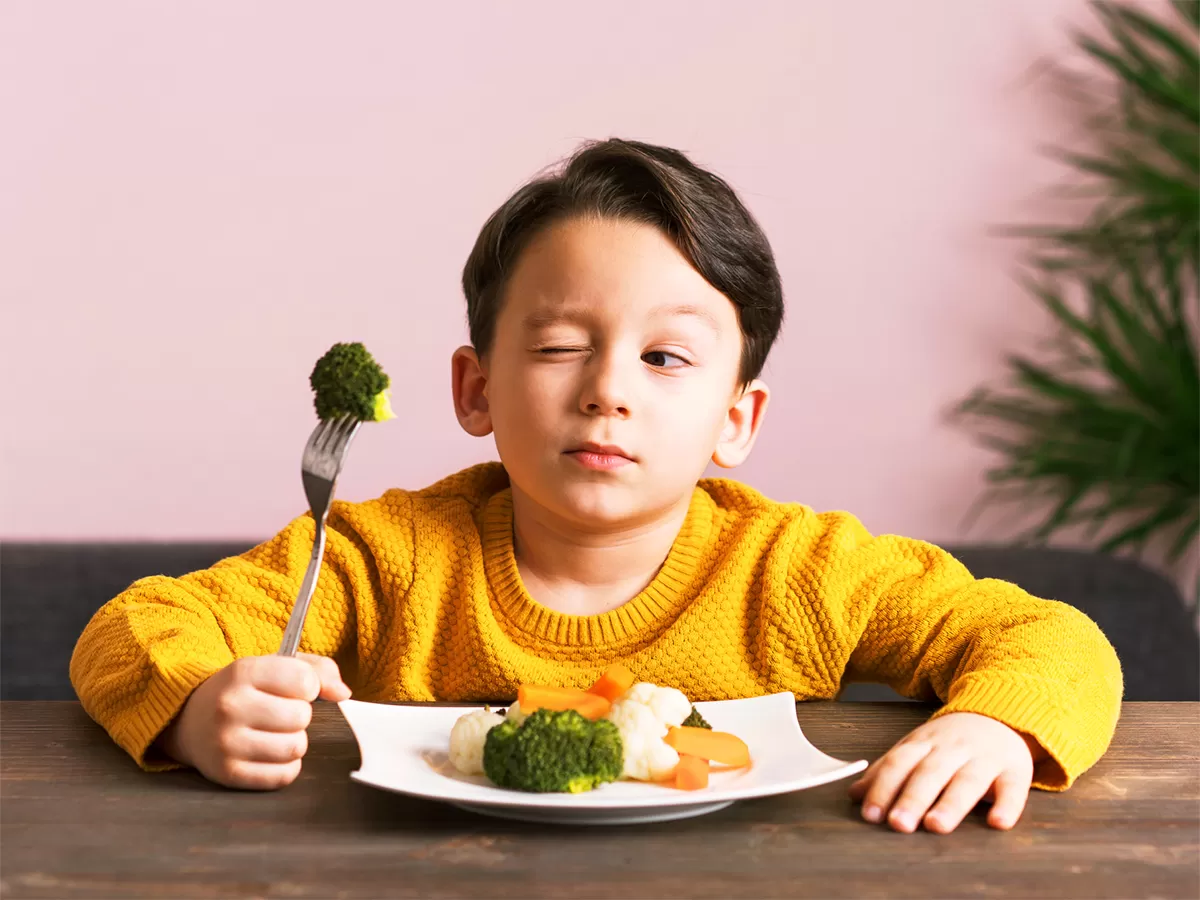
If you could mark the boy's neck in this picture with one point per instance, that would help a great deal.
(587, 572)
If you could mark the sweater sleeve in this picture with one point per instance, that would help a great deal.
(921, 623)
(145, 651)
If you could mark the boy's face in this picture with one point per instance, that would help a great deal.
(612, 378)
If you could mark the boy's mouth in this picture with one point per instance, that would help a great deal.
(600, 456)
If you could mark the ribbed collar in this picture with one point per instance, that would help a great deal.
(641, 619)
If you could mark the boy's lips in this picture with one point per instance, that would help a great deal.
(600, 456)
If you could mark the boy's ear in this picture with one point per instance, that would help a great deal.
(469, 383)
(742, 423)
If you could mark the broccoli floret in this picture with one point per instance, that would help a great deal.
(348, 380)
(553, 751)
(695, 720)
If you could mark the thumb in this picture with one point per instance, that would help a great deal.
(332, 685)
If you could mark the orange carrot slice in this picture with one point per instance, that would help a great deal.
(718, 746)
(692, 772)
(615, 681)
(536, 696)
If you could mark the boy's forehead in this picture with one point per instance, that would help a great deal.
(545, 315)
(576, 270)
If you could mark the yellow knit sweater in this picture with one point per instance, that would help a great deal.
(420, 598)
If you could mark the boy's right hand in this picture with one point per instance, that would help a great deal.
(244, 727)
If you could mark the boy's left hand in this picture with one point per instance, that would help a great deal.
(940, 771)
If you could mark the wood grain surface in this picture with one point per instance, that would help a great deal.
(78, 819)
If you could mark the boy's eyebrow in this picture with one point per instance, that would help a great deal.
(687, 309)
(543, 318)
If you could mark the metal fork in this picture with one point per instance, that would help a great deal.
(319, 468)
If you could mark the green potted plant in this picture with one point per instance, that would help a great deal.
(1102, 430)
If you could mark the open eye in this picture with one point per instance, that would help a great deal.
(661, 359)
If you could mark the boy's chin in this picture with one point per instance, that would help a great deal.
(603, 504)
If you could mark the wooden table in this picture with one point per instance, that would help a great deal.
(77, 819)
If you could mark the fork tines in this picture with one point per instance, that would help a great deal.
(326, 445)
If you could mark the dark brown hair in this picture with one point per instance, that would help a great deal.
(637, 182)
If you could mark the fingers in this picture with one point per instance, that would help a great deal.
(908, 793)
(245, 727)
(1012, 791)
(256, 740)
(332, 685)
(858, 789)
(283, 676)
(252, 708)
(251, 745)
(255, 776)
(943, 769)
(965, 790)
(303, 677)
(923, 787)
(891, 771)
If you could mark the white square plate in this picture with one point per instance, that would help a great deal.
(406, 749)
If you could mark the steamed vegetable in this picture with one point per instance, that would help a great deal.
(533, 697)
(692, 773)
(553, 750)
(643, 714)
(565, 739)
(348, 381)
(467, 738)
(717, 746)
(615, 681)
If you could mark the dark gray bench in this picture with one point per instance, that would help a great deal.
(49, 591)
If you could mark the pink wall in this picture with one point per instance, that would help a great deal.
(198, 198)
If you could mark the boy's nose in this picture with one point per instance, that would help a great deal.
(604, 391)
(606, 409)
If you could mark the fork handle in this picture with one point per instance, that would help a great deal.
(295, 625)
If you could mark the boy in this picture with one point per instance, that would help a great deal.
(621, 311)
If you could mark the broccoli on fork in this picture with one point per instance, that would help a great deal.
(553, 750)
(348, 381)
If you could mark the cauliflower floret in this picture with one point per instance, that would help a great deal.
(467, 738)
(642, 714)
(647, 756)
(669, 705)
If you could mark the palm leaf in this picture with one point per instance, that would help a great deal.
(1109, 425)
(1137, 21)
(1103, 429)
(1189, 10)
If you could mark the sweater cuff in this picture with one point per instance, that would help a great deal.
(1026, 709)
(168, 690)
